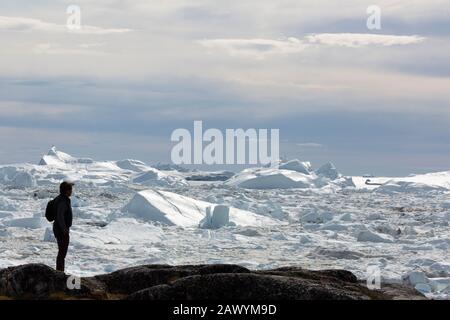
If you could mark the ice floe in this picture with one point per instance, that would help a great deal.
(173, 209)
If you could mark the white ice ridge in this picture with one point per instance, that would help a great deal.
(289, 175)
(173, 209)
(57, 166)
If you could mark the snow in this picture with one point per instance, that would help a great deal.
(128, 213)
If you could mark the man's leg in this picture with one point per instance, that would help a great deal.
(63, 246)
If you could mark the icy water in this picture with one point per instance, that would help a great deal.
(352, 230)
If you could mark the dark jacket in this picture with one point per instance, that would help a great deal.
(63, 220)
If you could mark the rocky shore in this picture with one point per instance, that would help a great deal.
(194, 282)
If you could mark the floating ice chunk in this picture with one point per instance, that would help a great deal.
(145, 177)
(23, 180)
(423, 288)
(57, 158)
(421, 262)
(316, 217)
(440, 284)
(7, 173)
(4, 214)
(289, 175)
(279, 237)
(333, 226)
(18, 177)
(272, 178)
(49, 236)
(344, 182)
(249, 232)
(296, 165)
(303, 239)
(369, 236)
(29, 223)
(77, 202)
(447, 216)
(153, 177)
(440, 269)
(375, 216)
(393, 187)
(174, 209)
(169, 167)
(7, 204)
(312, 217)
(220, 217)
(415, 277)
(329, 171)
(388, 229)
(132, 165)
(346, 217)
(109, 268)
(337, 253)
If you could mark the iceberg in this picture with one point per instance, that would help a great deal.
(169, 208)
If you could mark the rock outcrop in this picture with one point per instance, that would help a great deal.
(32, 281)
(195, 282)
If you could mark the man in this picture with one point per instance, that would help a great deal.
(62, 223)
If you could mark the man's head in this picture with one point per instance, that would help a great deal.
(65, 188)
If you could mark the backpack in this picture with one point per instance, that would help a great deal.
(50, 211)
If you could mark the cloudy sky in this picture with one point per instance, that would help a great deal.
(369, 100)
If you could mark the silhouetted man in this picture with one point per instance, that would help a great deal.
(62, 223)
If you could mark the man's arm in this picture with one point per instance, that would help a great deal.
(60, 219)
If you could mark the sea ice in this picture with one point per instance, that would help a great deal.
(369, 236)
(220, 217)
(173, 209)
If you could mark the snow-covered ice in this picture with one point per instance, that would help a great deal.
(220, 217)
(127, 213)
(290, 174)
(173, 209)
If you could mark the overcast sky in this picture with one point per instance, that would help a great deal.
(373, 101)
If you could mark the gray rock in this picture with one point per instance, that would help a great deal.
(246, 286)
(35, 281)
(137, 278)
(192, 282)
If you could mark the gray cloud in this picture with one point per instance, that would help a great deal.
(268, 64)
(259, 48)
(357, 40)
(28, 24)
